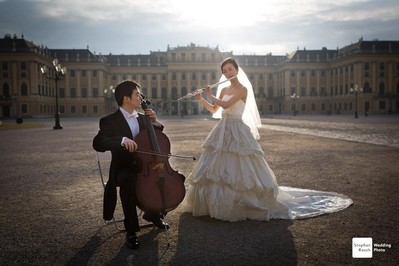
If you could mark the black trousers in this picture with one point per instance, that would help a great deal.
(126, 180)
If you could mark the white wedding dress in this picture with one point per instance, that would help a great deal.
(232, 181)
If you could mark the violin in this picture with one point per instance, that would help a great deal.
(159, 188)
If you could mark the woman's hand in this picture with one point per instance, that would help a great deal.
(207, 90)
(198, 96)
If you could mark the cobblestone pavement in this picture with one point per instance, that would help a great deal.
(380, 130)
(51, 196)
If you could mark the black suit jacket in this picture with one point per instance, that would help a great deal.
(112, 129)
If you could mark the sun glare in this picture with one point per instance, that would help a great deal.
(217, 14)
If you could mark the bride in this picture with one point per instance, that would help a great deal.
(232, 181)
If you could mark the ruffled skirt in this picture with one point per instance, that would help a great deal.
(232, 181)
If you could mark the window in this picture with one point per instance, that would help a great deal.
(313, 92)
(62, 92)
(174, 76)
(183, 91)
(84, 109)
(73, 109)
(381, 90)
(72, 73)
(5, 69)
(323, 92)
(73, 93)
(23, 70)
(84, 73)
(303, 91)
(84, 92)
(144, 76)
(24, 108)
(193, 76)
(154, 93)
(174, 93)
(381, 105)
(95, 109)
(24, 89)
(366, 88)
(95, 92)
(164, 93)
(94, 73)
(270, 92)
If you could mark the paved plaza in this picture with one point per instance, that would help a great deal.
(51, 196)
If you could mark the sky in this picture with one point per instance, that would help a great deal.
(246, 27)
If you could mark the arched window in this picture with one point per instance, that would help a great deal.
(366, 88)
(183, 91)
(174, 93)
(164, 93)
(261, 93)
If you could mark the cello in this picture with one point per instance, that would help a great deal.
(159, 188)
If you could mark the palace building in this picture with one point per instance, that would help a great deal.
(358, 78)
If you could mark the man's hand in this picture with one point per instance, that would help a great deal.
(151, 113)
(130, 145)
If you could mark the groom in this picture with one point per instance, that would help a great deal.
(117, 133)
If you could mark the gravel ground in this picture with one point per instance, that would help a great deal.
(51, 198)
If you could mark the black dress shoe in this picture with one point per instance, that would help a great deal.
(156, 221)
(132, 241)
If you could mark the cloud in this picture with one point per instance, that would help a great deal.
(250, 26)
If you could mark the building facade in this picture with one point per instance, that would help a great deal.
(361, 77)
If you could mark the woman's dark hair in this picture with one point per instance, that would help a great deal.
(125, 88)
(229, 60)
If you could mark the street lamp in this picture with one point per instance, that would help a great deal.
(355, 90)
(59, 74)
(293, 98)
(108, 95)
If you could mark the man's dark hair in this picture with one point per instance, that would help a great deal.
(125, 88)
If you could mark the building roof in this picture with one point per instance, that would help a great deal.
(150, 60)
(15, 44)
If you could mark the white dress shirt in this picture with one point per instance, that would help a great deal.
(132, 121)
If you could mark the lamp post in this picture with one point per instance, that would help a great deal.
(293, 98)
(108, 94)
(59, 74)
(355, 90)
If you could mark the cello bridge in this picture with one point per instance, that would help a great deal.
(158, 167)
